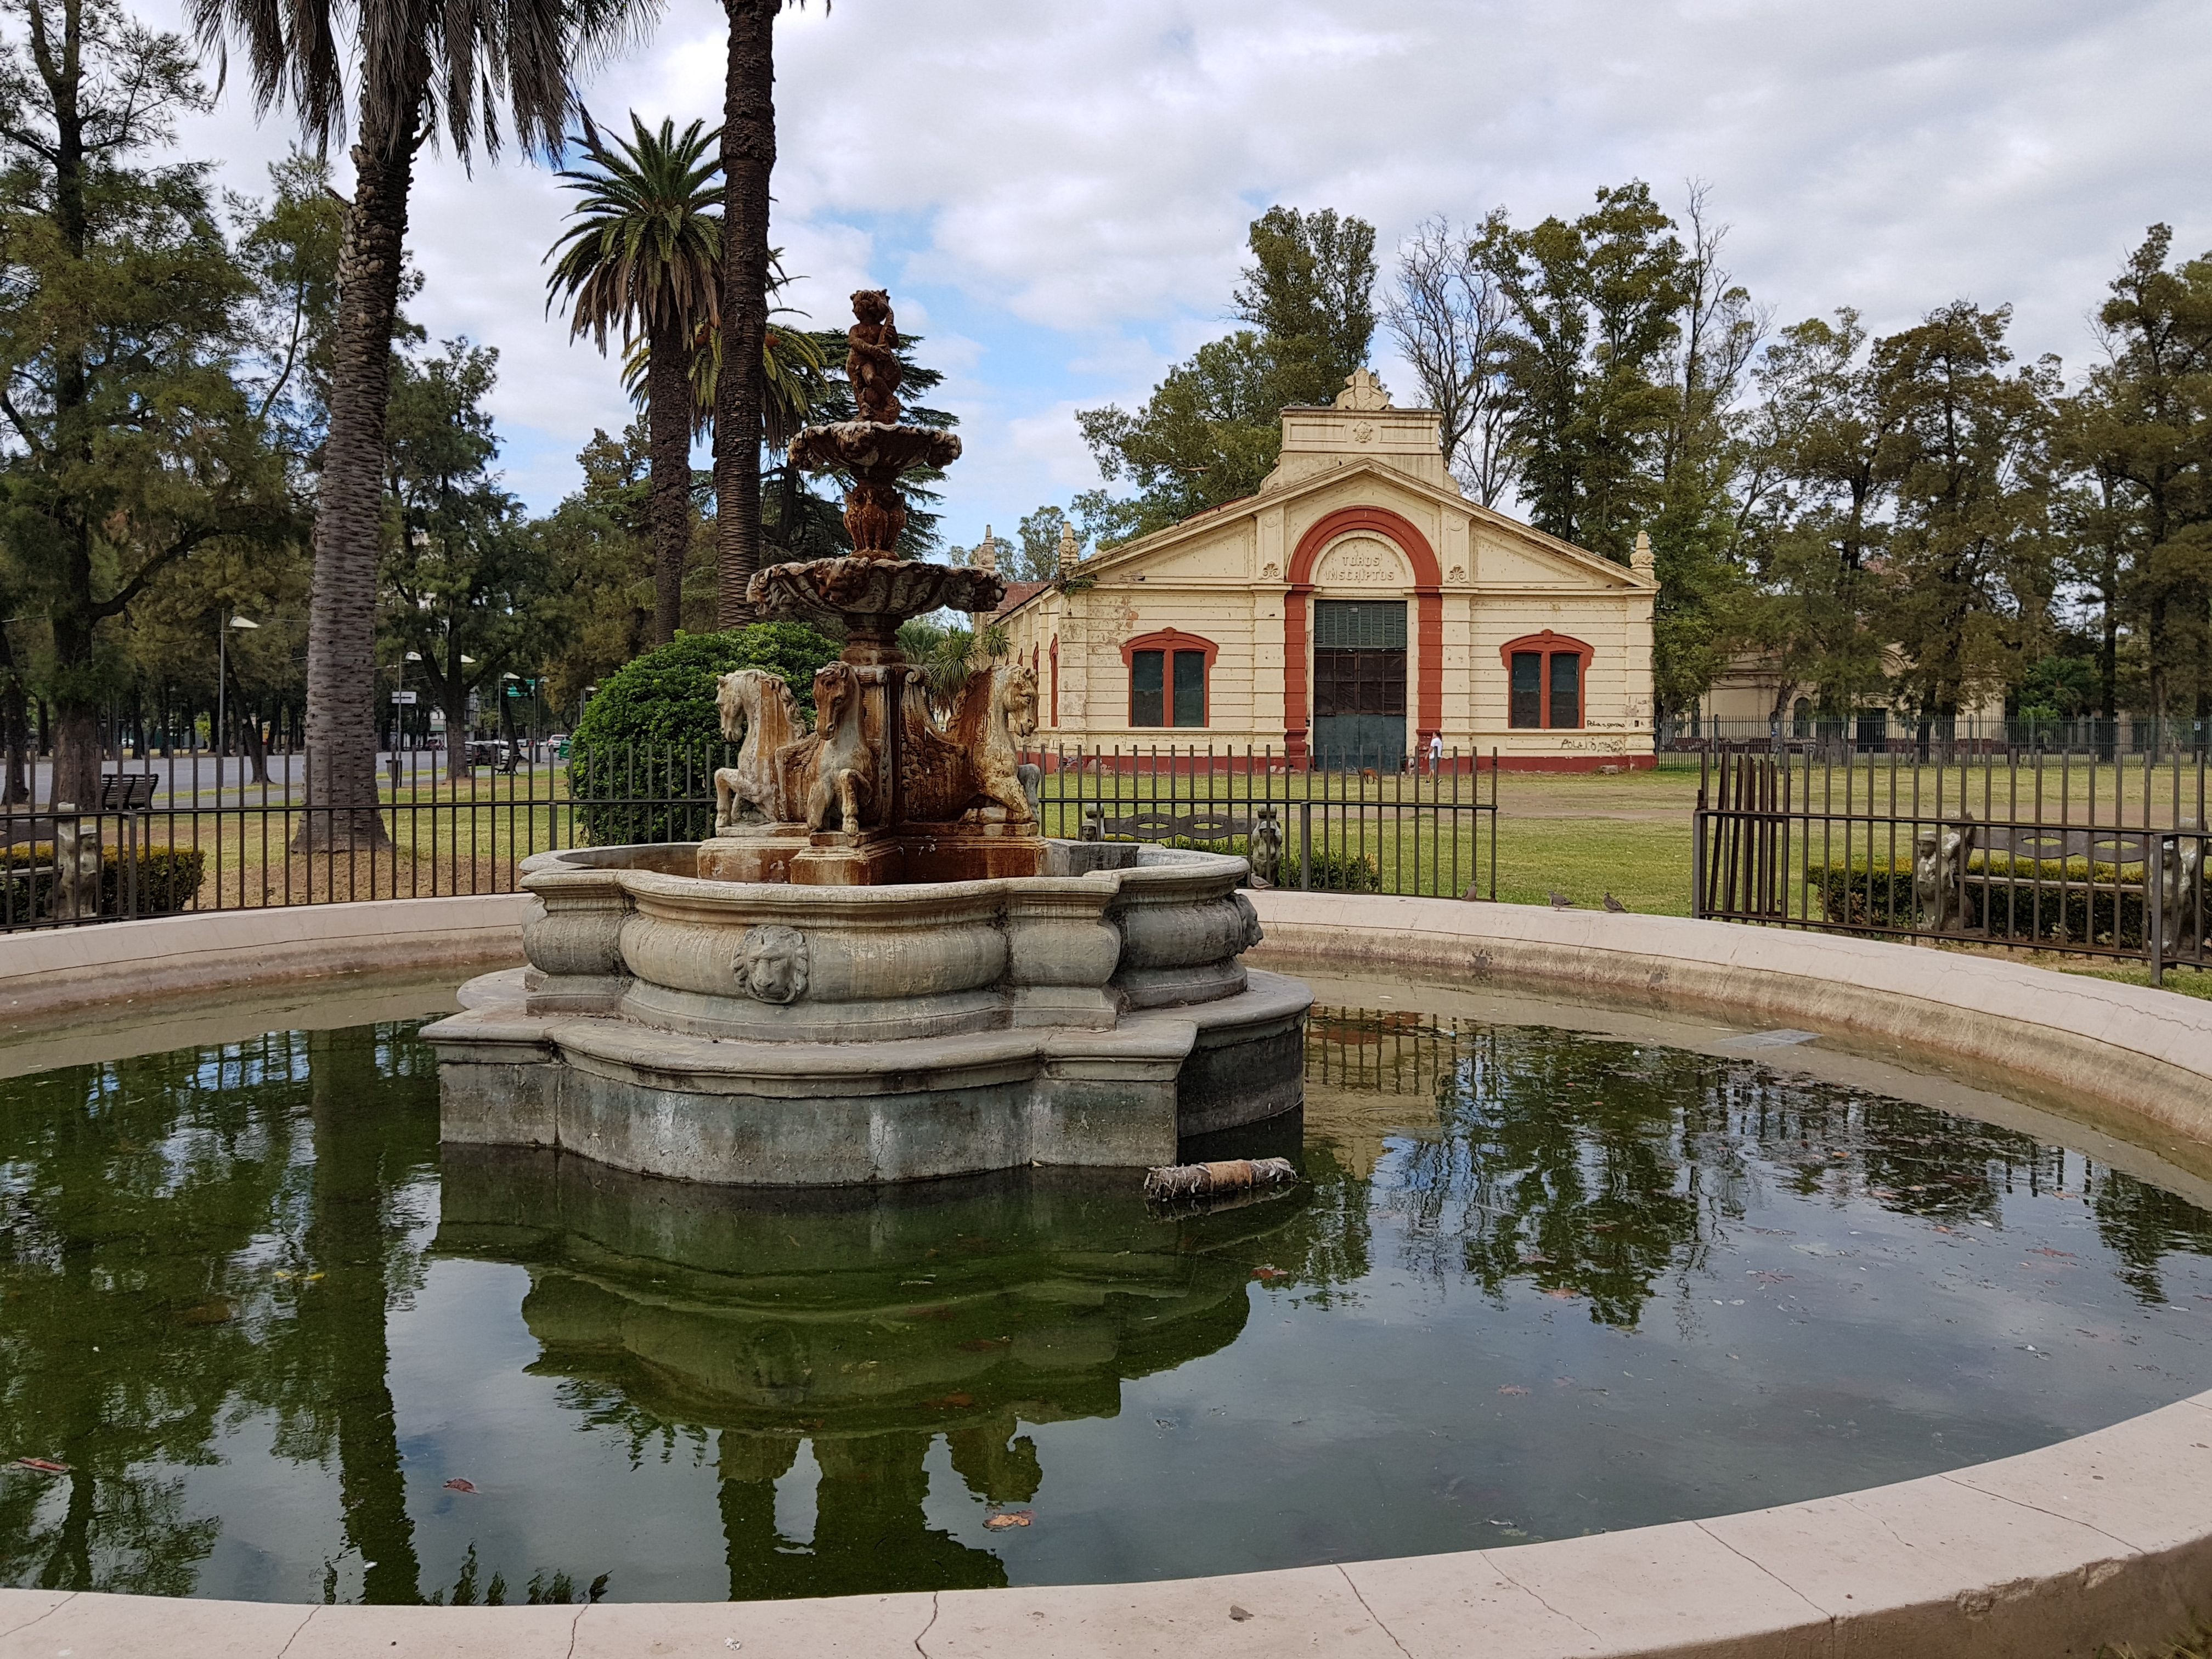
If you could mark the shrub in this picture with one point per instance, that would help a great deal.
(2013, 898)
(166, 880)
(641, 762)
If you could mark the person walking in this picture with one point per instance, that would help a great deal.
(1436, 752)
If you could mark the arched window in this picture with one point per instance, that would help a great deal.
(1168, 672)
(1800, 718)
(1548, 677)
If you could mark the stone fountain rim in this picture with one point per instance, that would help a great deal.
(1169, 872)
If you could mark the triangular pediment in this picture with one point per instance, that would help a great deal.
(1512, 550)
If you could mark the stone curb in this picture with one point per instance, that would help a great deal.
(68, 970)
(2106, 1538)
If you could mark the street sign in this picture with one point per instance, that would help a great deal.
(403, 696)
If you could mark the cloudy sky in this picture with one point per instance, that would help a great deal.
(1057, 191)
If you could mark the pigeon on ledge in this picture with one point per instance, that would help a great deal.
(1561, 902)
(1615, 905)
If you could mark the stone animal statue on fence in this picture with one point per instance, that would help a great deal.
(758, 708)
(1940, 852)
(2180, 897)
(835, 770)
(977, 757)
(1266, 849)
(77, 860)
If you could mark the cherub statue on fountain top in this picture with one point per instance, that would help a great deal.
(872, 363)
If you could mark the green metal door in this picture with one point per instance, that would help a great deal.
(1359, 684)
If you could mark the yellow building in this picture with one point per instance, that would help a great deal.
(1354, 609)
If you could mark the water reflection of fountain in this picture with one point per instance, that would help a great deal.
(859, 1324)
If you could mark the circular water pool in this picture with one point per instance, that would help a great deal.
(1549, 1272)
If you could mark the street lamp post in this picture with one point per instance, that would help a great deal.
(223, 694)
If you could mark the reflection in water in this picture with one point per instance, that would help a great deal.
(1597, 1168)
(1536, 1282)
(860, 1325)
(176, 1255)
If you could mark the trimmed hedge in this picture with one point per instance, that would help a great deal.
(1333, 872)
(168, 878)
(2011, 898)
(641, 762)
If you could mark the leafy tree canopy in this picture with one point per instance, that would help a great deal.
(1211, 431)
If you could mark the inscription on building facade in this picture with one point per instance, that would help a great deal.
(1362, 562)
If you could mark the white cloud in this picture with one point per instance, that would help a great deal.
(1084, 173)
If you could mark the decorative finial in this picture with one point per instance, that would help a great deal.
(987, 551)
(1362, 391)
(1069, 552)
(1641, 560)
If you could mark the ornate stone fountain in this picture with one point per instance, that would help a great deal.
(877, 969)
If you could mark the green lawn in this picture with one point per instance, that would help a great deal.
(1645, 865)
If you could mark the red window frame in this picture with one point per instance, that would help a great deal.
(1548, 645)
(1168, 641)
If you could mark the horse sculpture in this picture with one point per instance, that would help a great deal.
(759, 708)
(973, 760)
(835, 770)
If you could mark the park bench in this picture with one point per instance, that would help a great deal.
(1204, 824)
(120, 792)
(127, 792)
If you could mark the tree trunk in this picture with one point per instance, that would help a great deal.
(748, 159)
(14, 727)
(457, 719)
(356, 1166)
(76, 756)
(15, 717)
(342, 613)
(668, 416)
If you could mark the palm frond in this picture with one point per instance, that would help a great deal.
(643, 246)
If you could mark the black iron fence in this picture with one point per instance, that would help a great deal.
(189, 833)
(1423, 825)
(2030, 851)
(1683, 738)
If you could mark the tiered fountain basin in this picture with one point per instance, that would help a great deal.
(764, 1034)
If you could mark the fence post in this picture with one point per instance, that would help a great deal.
(1305, 844)
(1698, 840)
(2153, 905)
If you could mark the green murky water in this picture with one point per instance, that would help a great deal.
(1538, 1284)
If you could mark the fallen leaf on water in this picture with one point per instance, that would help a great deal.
(459, 1485)
(1511, 1387)
(1560, 1293)
(43, 1465)
(315, 1278)
(1269, 1274)
(1007, 1518)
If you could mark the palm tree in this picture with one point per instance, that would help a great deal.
(794, 378)
(422, 66)
(642, 252)
(748, 266)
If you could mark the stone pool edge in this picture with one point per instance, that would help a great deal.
(2104, 1538)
